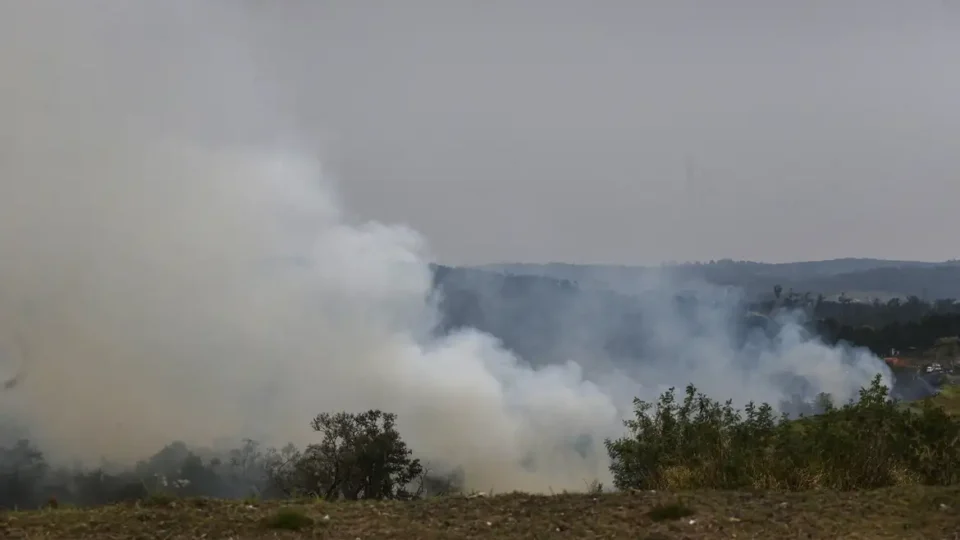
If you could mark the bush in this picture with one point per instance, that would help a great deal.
(289, 519)
(670, 512)
(700, 443)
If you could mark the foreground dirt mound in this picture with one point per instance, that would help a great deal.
(899, 513)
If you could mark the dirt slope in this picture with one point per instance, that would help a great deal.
(900, 513)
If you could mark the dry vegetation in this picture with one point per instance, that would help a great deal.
(901, 513)
(948, 399)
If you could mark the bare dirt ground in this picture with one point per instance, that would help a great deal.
(897, 513)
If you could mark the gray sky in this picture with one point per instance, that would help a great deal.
(630, 131)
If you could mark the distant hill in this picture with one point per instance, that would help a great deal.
(857, 278)
(549, 320)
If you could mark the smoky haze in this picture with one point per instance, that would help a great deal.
(175, 264)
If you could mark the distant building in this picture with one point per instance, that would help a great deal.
(895, 361)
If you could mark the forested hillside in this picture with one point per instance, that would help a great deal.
(539, 317)
(857, 278)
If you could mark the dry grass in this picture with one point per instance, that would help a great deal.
(900, 513)
(948, 398)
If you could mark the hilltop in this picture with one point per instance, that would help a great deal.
(903, 510)
(895, 513)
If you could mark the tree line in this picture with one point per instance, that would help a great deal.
(693, 443)
(909, 327)
(358, 456)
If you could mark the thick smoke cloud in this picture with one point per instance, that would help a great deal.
(174, 264)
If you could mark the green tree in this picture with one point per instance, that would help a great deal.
(361, 456)
(22, 467)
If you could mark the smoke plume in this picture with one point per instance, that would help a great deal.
(174, 264)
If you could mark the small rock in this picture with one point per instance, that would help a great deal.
(326, 517)
(489, 524)
(692, 521)
(782, 505)
(734, 519)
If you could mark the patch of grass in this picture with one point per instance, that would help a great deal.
(159, 499)
(289, 519)
(948, 398)
(670, 512)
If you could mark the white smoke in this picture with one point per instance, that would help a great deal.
(177, 266)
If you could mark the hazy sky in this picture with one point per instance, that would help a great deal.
(630, 131)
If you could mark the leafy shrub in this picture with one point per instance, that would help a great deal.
(290, 519)
(701, 443)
